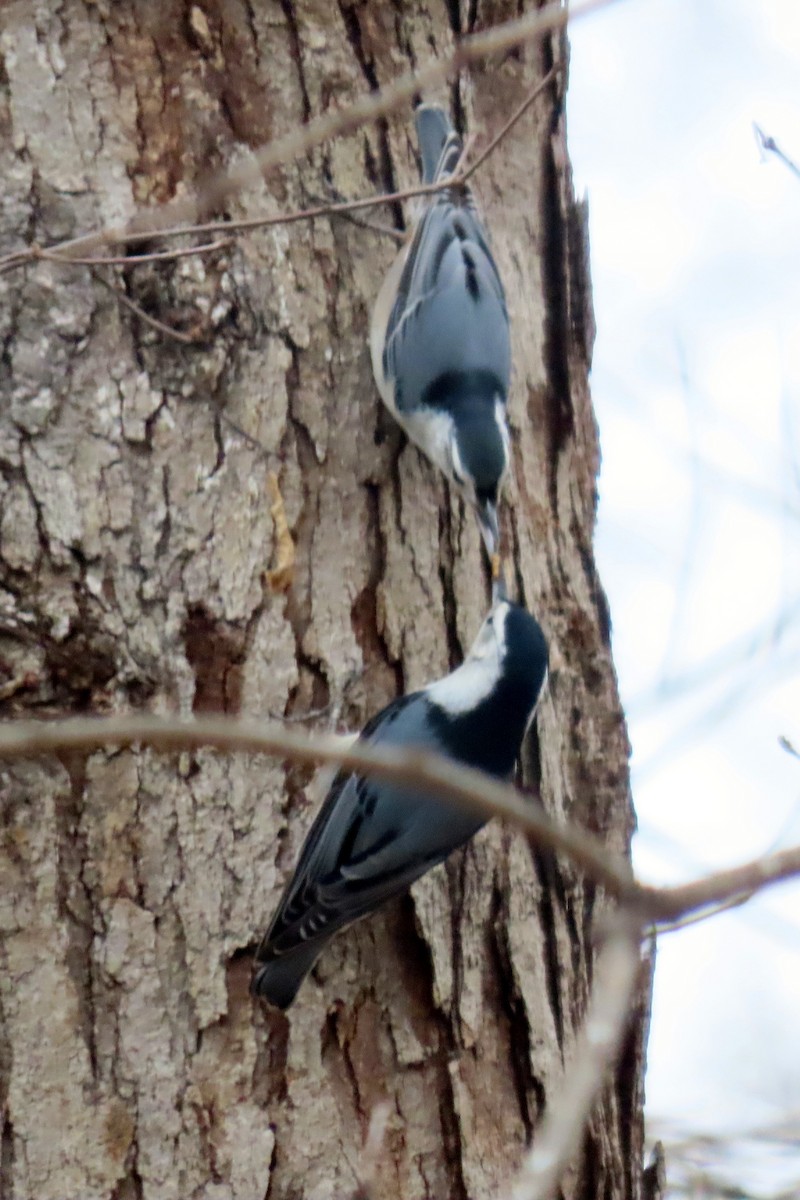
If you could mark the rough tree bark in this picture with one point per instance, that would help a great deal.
(134, 532)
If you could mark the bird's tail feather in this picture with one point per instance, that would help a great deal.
(279, 979)
(437, 142)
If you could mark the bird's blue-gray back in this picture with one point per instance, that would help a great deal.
(433, 130)
(452, 268)
(370, 840)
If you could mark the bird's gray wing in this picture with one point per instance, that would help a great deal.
(333, 829)
(450, 307)
(369, 842)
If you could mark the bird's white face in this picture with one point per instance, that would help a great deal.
(476, 678)
(505, 433)
(457, 472)
(434, 433)
(491, 639)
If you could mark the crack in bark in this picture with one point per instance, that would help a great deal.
(216, 652)
(351, 1074)
(298, 608)
(296, 51)
(555, 256)
(388, 180)
(162, 545)
(6, 1155)
(273, 1163)
(352, 27)
(511, 1003)
(250, 15)
(455, 651)
(131, 1186)
(364, 614)
(629, 1079)
(455, 870)
(74, 899)
(402, 37)
(547, 871)
(6, 1068)
(472, 16)
(453, 9)
(452, 1135)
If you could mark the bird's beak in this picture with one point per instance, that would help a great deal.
(490, 531)
(499, 589)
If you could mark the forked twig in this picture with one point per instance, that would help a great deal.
(179, 217)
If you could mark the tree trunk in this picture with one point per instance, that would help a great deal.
(135, 530)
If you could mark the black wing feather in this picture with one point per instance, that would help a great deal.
(305, 891)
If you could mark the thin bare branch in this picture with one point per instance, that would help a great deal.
(133, 260)
(444, 778)
(786, 745)
(768, 144)
(509, 125)
(61, 252)
(712, 890)
(559, 1134)
(19, 258)
(674, 925)
(245, 224)
(396, 235)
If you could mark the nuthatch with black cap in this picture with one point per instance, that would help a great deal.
(372, 838)
(439, 338)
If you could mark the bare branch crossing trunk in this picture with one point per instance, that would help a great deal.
(135, 530)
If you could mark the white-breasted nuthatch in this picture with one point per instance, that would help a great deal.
(439, 337)
(371, 839)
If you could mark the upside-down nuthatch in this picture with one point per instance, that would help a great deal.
(439, 335)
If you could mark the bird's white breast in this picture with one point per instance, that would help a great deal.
(467, 687)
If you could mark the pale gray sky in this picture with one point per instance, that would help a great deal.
(696, 379)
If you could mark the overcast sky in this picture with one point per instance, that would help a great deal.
(696, 268)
